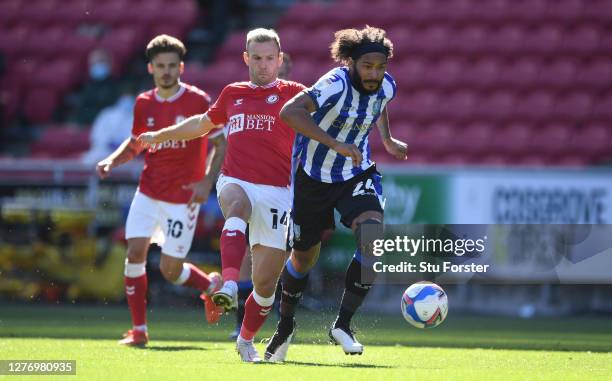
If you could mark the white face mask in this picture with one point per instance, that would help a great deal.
(99, 71)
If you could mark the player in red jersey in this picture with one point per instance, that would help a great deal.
(172, 185)
(254, 184)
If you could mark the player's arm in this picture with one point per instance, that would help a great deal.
(393, 146)
(190, 128)
(296, 114)
(129, 149)
(201, 189)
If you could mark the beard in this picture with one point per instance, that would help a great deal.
(358, 83)
(167, 84)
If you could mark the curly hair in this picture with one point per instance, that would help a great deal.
(347, 41)
(165, 44)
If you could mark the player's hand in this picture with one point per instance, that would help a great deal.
(200, 190)
(397, 148)
(349, 150)
(149, 138)
(103, 168)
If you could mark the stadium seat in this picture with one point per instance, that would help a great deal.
(43, 42)
(438, 137)
(39, 105)
(576, 106)
(542, 40)
(520, 73)
(583, 39)
(458, 105)
(552, 138)
(592, 140)
(564, 11)
(444, 73)
(595, 74)
(194, 74)
(469, 40)
(507, 40)
(12, 40)
(512, 139)
(61, 141)
(491, 11)
(482, 73)
(474, 138)
(498, 105)
(432, 39)
(60, 75)
(122, 43)
(536, 105)
(558, 74)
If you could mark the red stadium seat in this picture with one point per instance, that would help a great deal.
(559, 73)
(552, 138)
(38, 11)
(483, 73)
(122, 43)
(44, 42)
(521, 73)
(438, 137)
(60, 75)
(39, 105)
(512, 139)
(12, 40)
(194, 74)
(603, 107)
(10, 11)
(564, 11)
(596, 74)
(474, 138)
(508, 40)
(491, 11)
(470, 39)
(445, 72)
(535, 106)
(61, 141)
(526, 11)
(458, 106)
(498, 105)
(592, 140)
(584, 39)
(433, 39)
(598, 10)
(543, 39)
(421, 105)
(411, 72)
(575, 106)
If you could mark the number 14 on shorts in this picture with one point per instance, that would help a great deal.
(283, 219)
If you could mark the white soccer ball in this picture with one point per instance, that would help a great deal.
(424, 305)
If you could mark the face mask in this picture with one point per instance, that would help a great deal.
(99, 71)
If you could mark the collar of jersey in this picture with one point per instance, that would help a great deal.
(268, 86)
(176, 96)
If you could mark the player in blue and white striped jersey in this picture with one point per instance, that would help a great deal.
(334, 170)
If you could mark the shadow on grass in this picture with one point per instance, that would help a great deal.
(177, 348)
(343, 365)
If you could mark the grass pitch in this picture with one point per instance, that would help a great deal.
(184, 347)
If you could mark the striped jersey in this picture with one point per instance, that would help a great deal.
(348, 116)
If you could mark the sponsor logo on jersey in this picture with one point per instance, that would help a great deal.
(271, 99)
(168, 144)
(236, 123)
(376, 106)
(238, 102)
(150, 121)
(179, 119)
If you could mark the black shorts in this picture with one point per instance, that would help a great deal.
(314, 203)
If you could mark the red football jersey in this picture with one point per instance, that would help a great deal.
(172, 164)
(259, 144)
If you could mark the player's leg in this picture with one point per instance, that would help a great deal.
(361, 210)
(140, 226)
(312, 213)
(245, 287)
(268, 240)
(180, 227)
(236, 206)
(268, 263)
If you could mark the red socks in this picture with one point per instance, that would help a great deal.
(233, 247)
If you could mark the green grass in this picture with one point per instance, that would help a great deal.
(183, 347)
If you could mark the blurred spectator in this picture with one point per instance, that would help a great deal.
(99, 92)
(111, 127)
(285, 69)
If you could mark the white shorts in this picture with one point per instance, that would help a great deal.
(270, 211)
(170, 226)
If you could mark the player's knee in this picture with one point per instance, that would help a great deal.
(265, 287)
(170, 269)
(303, 261)
(239, 207)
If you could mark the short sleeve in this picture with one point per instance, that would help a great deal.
(327, 86)
(138, 125)
(217, 113)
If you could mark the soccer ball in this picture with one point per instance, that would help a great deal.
(424, 305)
